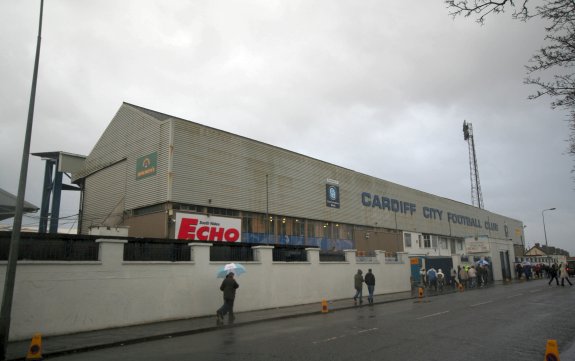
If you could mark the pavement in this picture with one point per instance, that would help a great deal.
(87, 341)
(93, 340)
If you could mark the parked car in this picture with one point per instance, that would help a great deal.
(570, 268)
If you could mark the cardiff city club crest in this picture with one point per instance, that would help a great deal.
(332, 195)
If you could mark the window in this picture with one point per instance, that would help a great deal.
(299, 228)
(460, 245)
(272, 226)
(315, 229)
(407, 238)
(434, 241)
(443, 243)
(427, 241)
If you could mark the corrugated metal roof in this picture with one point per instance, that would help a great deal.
(8, 205)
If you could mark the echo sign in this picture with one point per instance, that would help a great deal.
(199, 227)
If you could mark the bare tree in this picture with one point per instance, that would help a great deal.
(557, 55)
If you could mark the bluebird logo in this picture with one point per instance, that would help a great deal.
(332, 195)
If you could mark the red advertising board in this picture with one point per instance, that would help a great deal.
(200, 227)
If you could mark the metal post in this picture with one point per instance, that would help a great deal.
(46, 193)
(10, 279)
(56, 196)
(544, 230)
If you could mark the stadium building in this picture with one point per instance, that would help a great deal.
(166, 177)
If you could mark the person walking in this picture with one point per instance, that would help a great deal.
(454, 281)
(472, 272)
(553, 274)
(228, 287)
(564, 275)
(440, 280)
(370, 282)
(423, 277)
(463, 277)
(518, 270)
(358, 284)
(432, 278)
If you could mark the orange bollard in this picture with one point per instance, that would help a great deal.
(552, 351)
(420, 290)
(35, 350)
(324, 306)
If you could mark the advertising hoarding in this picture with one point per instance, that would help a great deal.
(201, 227)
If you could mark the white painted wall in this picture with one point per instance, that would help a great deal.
(66, 297)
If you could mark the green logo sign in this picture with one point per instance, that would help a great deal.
(146, 165)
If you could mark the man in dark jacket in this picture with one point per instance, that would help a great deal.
(370, 282)
(358, 284)
(229, 286)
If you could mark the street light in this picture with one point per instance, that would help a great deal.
(544, 231)
(10, 277)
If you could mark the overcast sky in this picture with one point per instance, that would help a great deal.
(379, 87)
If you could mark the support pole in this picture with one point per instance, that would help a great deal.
(10, 279)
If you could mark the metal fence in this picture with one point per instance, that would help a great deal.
(231, 252)
(332, 256)
(50, 248)
(147, 250)
(284, 254)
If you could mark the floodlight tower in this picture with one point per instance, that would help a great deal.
(476, 196)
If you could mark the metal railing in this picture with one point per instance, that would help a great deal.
(231, 252)
(34, 248)
(331, 256)
(147, 250)
(284, 254)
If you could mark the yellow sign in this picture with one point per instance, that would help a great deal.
(146, 165)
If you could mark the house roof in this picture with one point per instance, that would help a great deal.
(8, 205)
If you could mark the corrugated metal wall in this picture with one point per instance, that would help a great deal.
(132, 134)
(218, 169)
(104, 197)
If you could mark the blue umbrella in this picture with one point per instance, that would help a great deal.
(236, 268)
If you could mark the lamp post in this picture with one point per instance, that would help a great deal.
(523, 239)
(545, 231)
(10, 276)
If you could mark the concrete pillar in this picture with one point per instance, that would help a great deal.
(350, 256)
(313, 255)
(380, 256)
(111, 252)
(264, 254)
(200, 253)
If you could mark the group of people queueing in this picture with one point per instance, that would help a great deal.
(474, 276)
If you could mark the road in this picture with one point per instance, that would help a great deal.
(500, 323)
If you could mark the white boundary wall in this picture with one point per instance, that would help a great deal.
(67, 297)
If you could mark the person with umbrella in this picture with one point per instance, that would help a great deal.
(564, 275)
(228, 287)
